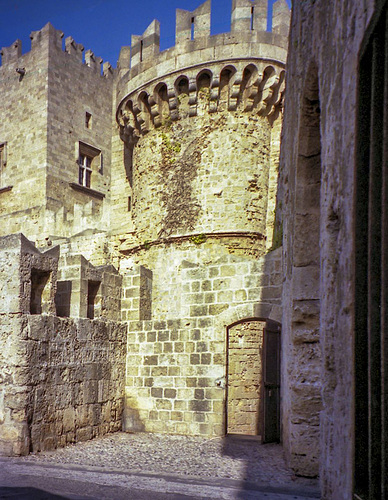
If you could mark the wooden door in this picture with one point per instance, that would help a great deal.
(271, 382)
(244, 378)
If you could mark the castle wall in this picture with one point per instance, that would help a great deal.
(177, 358)
(181, 201)
(77, 88)
(23, 127)
(317, 181)
(198, 123)
(61, 379)
(193, 179)
(43, 122)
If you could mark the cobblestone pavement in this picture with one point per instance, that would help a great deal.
(242, 465)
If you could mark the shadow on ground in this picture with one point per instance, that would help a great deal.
(27, 494)
(250, 451)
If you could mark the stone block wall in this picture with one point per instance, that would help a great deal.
(86, 291)
(78, 85)
(61, 380)
(23, 120)
(188, 282)
(43, 121)
(318, 165)
(176, 365)
(27, 277)
(172, 372)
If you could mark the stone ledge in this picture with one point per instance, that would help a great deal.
(86, 190)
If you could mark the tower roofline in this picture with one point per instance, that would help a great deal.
(249, 18)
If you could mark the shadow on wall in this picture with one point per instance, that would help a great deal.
(131, 421)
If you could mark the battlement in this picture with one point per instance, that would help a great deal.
(248, 61)
(248, 17)
(44, 41)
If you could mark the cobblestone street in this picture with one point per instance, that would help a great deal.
(159, 467)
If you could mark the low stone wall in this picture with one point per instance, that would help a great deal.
(61, 381)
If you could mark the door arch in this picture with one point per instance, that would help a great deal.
(253, 379)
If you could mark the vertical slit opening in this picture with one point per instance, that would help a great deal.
(93, 289)
(252, 18)
(192, 28)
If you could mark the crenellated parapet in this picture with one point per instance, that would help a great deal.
(45, 41)
(249, 15)
(241, 70)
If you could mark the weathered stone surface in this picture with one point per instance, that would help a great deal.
(167, 244)
(316, 190)
(244, 405)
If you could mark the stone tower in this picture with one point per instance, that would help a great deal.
(193, 196)
(56, 106)
(148, 240)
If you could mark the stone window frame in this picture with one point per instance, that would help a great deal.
(89, 160)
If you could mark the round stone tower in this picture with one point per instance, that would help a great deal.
(195, 199)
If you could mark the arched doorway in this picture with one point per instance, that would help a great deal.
(253, 379)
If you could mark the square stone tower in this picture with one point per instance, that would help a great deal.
(55, 134)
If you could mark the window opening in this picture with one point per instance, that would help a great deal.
(88, 157)
(40, 291)
(85, 170)
(129, 203)
(63, 298)
(93, 289)
(88, 120)
(252, 17)
(141, 50)
(192, 28)
(1, 164)
(3, 161)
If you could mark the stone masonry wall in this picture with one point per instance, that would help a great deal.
(77, 88)
(61, 380)
(319, 133)
(192, 179)
(43, 120)
(23, 119)
(176, 361)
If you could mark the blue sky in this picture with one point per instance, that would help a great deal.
(101, 25)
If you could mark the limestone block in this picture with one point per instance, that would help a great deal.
(305, 283)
